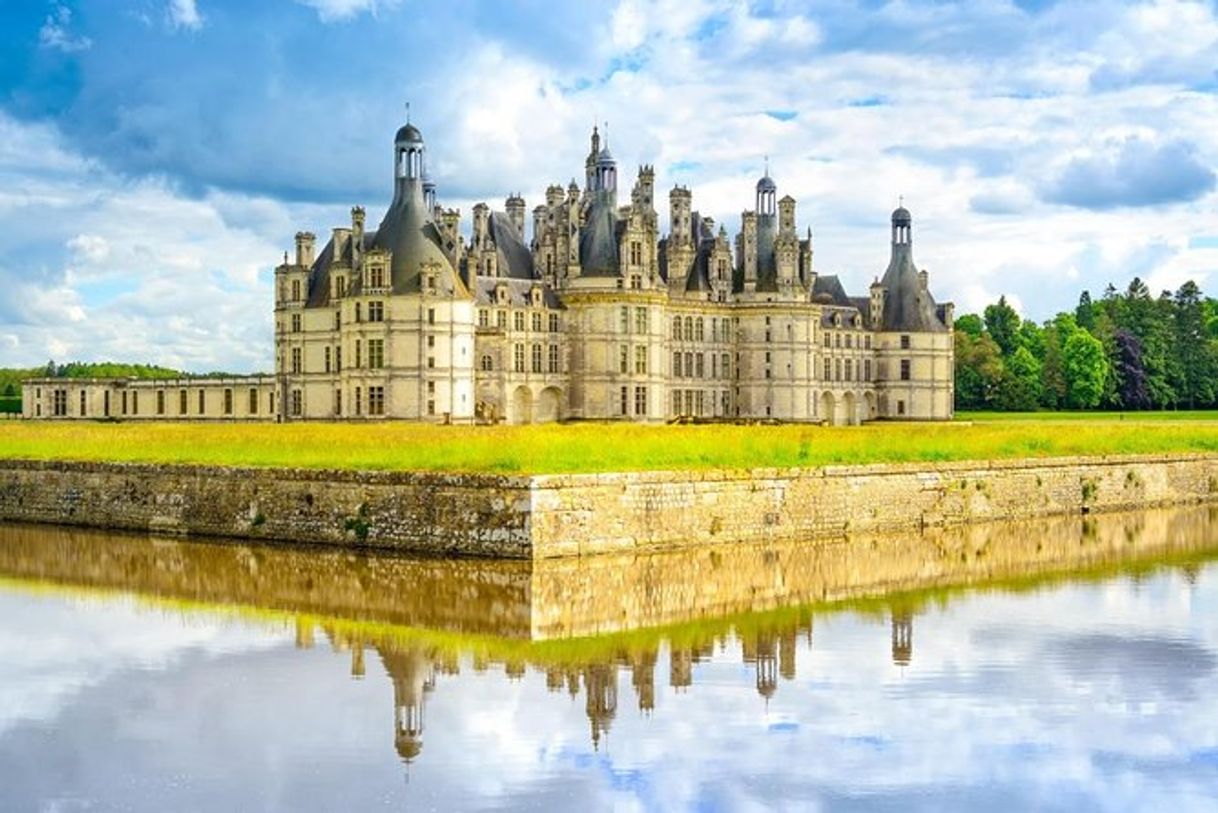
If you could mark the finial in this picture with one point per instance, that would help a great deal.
(408, 112)
(901, 201)
(606, 135)
(767, 166)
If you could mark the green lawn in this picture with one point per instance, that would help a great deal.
(599, 447)
(1142, 417)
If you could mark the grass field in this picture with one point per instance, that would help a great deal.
(603, 447)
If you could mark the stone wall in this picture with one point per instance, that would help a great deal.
(565, 515)
(432, 513)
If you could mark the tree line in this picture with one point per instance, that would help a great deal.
(1128, 350)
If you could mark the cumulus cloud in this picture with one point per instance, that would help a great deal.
(56, 34)
(334, 10)
(184, 14)
(1131, 172)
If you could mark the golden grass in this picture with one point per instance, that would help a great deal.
(594, 447)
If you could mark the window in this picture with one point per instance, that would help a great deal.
(376, 353)
(488, 363)
(160, 403)
(536, 357)
(904, 342)
(295, 290)
(640, 400)
(625, 400)
(228, 402)
(904, 369)
(623, 359)
(296, 323)
(253, 401)
(699, 326)
(82, 402)
(640, 360)
(553, 322)
(849, 370)
(484, 317)
(338, 359)
(900, 407)
(689, 365)
(327, 359)
(431, 283)
(518, 320)
(431, 316)
(338, 402)
(828, 338)
(359, 401)
(676, 364)
(837, 340)
(837, 369)
(124, 402)
(828, 370)
(676, 402)
(295, 359)
(867, 342)
(849, 341)
(358, 354)
(359, 317)
(431, 362)
(342, 286)
(537, 322)
(725, 365)
(376, 311)
(518, 358)
(554, 364)
(106, 404)
(181, 402)
(700, 363)
(640, 320)
(501, 320)
(636, 252)
(297, 403)
(59, 403)
(689, 328)
(376, 400)
(867, 370)
(202, 401)
(376, 276)
(624, 319)
(676, 328)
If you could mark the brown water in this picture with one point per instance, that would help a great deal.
(1065, 664)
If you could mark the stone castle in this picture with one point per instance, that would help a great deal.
(597, 317)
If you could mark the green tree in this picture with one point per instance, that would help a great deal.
(969, 323)
(1084, 312)
(1085, 367)
(979, 371)
(1002, 322)
(1193, 350)
(1021, 386)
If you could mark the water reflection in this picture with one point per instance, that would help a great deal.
(755, 647)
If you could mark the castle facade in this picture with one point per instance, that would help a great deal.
(595, 315)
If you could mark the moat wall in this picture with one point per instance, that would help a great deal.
(566, 515)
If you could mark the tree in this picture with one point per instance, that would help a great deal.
(1021, 382)
(1084, 313)
(1128, 371)
(1002, 322)
(969, 323)
(979, 371)
(1032, 336)
(1193, 359)
(1085, 369)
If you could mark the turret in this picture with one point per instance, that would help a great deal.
(306, 243)
(515, 211)
(679, 206)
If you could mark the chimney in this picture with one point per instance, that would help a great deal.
(305, 243)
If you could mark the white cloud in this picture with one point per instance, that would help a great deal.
(335, 10)
(55, 33)
(184, 14)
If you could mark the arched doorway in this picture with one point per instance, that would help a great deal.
(522, 405)
(869, 400)
(850, 407)
(827, 407)
(549, 405)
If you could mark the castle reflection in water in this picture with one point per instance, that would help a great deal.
(415, 669)
(582, 623)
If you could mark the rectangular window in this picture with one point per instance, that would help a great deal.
(623, 359)
(867, 370)
(699, 329)
(640, 400)
(625, 400)
(501, 320)
(297, 403)
(725, 363)
(253, 401)
(228, 402)
(295, 360)
(359, 312)
(358, 354)
(676, 402)
(828, 339)
(904, 342)
(689, 365)
(676, 364)
(376, 277)
(849, 370)
(900, 407)
(636, 252)
(867, 342)
(518, 320)
(624, 319)
(904, 369)
(700, 362)
(160, 403)
(106, 404)
(431, 316)
(83, 396)
(135, 404)
(537, 322)
(202, 401)
(484, 317)
(338, 402)
(553, 322)
(338, 359)
(376, 353)
(295, 290)
(327, 359)
(554, 363)
(537, 358)
(376, 311)
(376, 400)
(849, 341)
(124, 402)
(640, 360)
(837, 369)
(59, 403)
(431, 362)
(359, 401)
(296, 323)
(518, 358)
(181, 402)
(640, 320)
(431, 341)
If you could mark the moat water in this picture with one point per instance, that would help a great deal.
(1067, 664)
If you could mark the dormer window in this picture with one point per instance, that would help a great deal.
(376, 277)
(431, 283)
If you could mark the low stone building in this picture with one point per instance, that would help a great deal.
(593, 316)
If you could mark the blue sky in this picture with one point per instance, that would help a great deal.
(156, 156)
